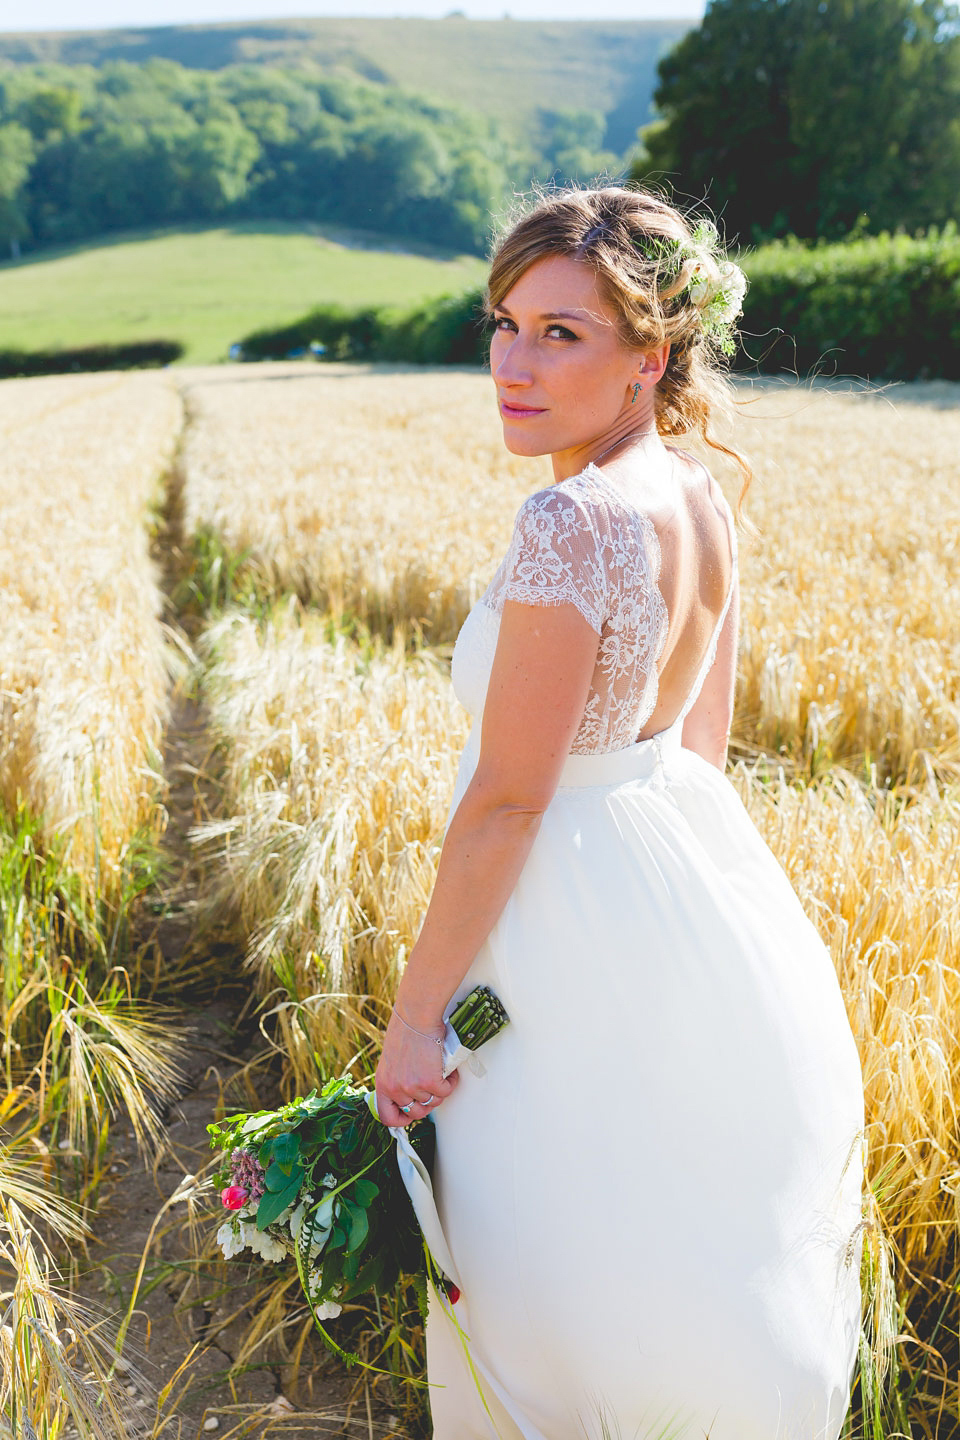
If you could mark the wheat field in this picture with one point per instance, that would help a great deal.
(340, 521)
(85, 667)
(389, 499)
(84, 663)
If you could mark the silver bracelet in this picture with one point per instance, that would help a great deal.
(437, 1039)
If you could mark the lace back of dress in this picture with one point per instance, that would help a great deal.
(581, 542)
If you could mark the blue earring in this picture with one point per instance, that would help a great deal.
(636, 387)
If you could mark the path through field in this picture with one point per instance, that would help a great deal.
(188, 1331)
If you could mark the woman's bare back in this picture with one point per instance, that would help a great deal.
(697, 571)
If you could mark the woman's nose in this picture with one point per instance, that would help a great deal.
(511, 365)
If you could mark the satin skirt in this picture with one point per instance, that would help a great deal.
(653, 1195)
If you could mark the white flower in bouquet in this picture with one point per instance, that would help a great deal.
(296, 1219)
(231, 1239)
(262, 1243)
(327, 1309)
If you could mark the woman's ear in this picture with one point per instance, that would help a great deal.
(652, 365)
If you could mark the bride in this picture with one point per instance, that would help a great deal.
(653, 1194)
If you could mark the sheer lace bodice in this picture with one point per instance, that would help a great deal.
(583, 542)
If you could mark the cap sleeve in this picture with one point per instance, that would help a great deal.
(555, 558)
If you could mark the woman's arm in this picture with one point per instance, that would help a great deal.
(707, 727)
(538, 689)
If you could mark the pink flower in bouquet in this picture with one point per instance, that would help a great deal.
(234, 1197)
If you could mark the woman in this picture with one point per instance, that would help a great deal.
(653, 1194)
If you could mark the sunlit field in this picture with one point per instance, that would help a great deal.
(83, 699)
(82, 649)
(389, 500)
(338, 524)
(390, 495)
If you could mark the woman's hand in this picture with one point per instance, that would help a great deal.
(409, 1073)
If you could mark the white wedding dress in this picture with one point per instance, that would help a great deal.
(653, 1195)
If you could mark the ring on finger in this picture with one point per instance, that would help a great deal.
(405, 1109)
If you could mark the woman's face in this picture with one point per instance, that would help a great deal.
(565, 381)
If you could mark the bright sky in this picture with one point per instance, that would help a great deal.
(104, 14)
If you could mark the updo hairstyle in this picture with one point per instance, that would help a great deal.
(621, 233)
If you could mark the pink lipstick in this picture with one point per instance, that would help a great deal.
(517, 412)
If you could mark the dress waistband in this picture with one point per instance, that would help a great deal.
(612, 767)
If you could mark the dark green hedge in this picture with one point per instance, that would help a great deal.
(887, 306)
(444, 331)
(135, 356)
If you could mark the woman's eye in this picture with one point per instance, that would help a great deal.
(501, 322)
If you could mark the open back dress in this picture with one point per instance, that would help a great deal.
(653, 1194)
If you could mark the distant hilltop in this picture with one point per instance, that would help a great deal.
(513, 68)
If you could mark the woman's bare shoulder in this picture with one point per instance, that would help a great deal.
(710, 512)
(700, 478)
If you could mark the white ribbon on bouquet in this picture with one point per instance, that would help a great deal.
(416, 1179)
(416, 1176)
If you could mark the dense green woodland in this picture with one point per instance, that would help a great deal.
(86, 150)
(811, 117)
(416, 128)
(520, 72)
(790, 117)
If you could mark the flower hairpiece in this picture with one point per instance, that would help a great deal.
(715, 285)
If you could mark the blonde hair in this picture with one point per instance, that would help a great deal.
(646, 254)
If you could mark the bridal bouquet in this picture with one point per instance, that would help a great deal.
(318, 1181)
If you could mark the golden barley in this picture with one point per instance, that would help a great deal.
(390, 497)
(385, 496)
(850, 641)
(338, 772)
(83, 675)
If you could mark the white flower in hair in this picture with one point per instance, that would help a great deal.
(699, 287)
(726, 302)
(733, 283)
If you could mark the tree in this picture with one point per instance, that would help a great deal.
(802, 116)
(51, 111)
(216, 160)
(16, 154)
(573, 149)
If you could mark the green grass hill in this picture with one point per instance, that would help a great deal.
(209, 286)
(514, 68)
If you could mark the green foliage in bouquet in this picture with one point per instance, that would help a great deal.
(319, 1180)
